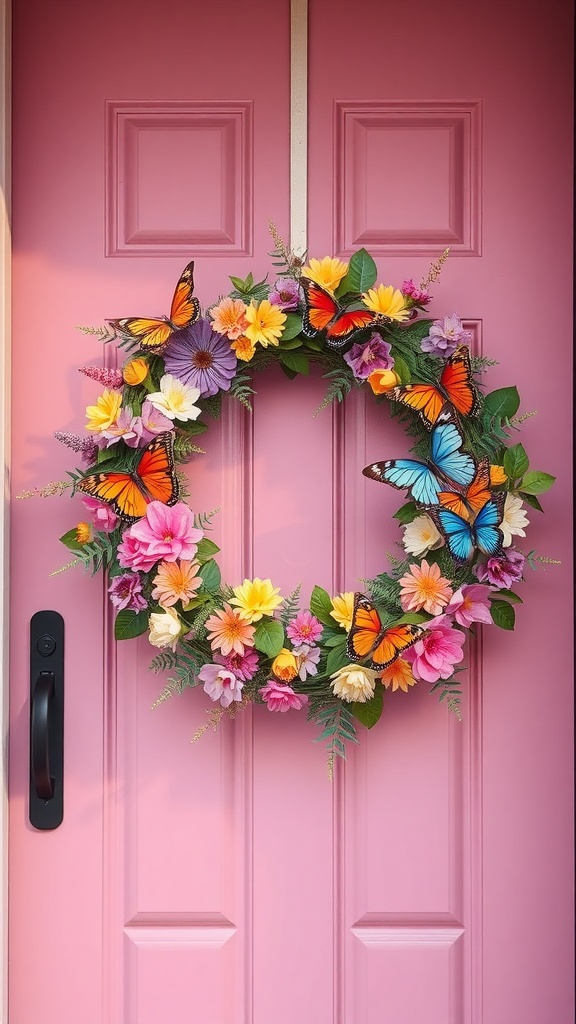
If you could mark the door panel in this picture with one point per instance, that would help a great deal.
(228, 881)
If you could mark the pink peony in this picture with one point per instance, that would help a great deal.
(164, 533)
(220, 684)
(281, 698)
(102, 515)
(434, 657)
(470, 604)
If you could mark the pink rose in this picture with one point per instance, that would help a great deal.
(282, 698)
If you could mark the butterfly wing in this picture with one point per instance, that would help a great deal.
(479, 491)
(487, 535)
(128, 494)
(456, 531)
(457, 384)
(368, 638)
(119, 490)
(452, 463)
(155, 471)
(425, 399)
(152, 333)
(407, 474)
(396, 640)
(347, 325)
(321, 308)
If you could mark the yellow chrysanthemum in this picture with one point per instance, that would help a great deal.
(327, 272)
(135, 371)
(497, 476)
(388, 301)
(398, 675)
(105, 412)
(285, 666)
(243, 348)
(343, 609)
(265, 323)
(255, 598)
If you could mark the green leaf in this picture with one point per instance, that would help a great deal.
(321, 606)
(532, 500)
(191, 427)
(239, 284)
(292, 327)
(504, 403)
(130, 624)
(402, 369)
(413, 617)
(515, 462)
(71, 541)
(337, 658)
(210, 575)
(206, 550)
(503, 614)
(536, 482)
(362, 274)
(407, 513)
(289, 346)
(196, 602)
(269, 637)
(509, 595)
(295, 361)
(370, 711)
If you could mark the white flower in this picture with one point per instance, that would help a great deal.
(175, 399)
(514, 519)
(354, 683)
(421, 536)
(307, 657)
(164, 628)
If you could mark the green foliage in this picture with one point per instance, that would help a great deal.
(210, 575)
(337, 726)
(369, 712)
(206, 549)
(129, 624)
(203, 520)
(241, 389)
(341, 382)
(249, 289)
(290, 606)
(361, 275)
(452, 694)
(536, 482)
(503, 614)
(297, 362)
(269, 637)
(321, 606)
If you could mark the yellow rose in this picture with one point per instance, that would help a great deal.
(285, 666)
(354, 683)
(135, 371)
(383, 380)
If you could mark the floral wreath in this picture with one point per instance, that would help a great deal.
(465, 489)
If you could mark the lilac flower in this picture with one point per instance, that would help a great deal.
(126, 592)
(373, 355)
(445, 336)
(220, 684)
(242, 665)
(470, 604)
(102, 515)
(503, 571)
(86, 447)
(285, 294)
(153, 422)
(304, 629)
(307, 657)
(126, 426)
(201, 358)
(109, 378)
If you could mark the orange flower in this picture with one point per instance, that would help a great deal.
(243, 348)
(423, 588)
(135, 371)
(176, 581)
(229, 631)
(398, 675)
(497, 476)
(383, 380)
(285, 666)
(229, 318)
(83, 533)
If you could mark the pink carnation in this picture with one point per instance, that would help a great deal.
(304, 629)
(242, 665)
(164, 533)
(434, 657)
(282, 698)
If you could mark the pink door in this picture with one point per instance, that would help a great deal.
(229, 881)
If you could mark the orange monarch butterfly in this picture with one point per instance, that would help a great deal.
(153, 479)
(473, 498)
(153, 333)
(432, 401)
(368, 638)
(324, 315)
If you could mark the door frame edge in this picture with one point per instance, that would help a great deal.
(5, 317)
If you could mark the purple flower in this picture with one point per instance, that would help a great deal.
(220, 684)
(102, 515)
(87, 447)
(307, 657)
(153, 422)
(444, 337)
(373, 355)
(126, 426)
(126, 592)
(242, 665)
(470, 604)
(201, 358)
(285, 294)
(434, 657)
(503, 571)
(304, 629)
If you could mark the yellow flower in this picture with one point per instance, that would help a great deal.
(285, 666)
(105, 412)
(354, 683)
(265, 323)
(243, 348)
(497, 476)
(229, 318)
(398, 675)
(327, 272)
(135, 371)
(383, 380)
(256, 598)
(343, 609)
(388, 301)
(164, 628)
(83, 533)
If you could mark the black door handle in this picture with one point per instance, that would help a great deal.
(46, 791)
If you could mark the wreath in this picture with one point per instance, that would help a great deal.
(465, 490)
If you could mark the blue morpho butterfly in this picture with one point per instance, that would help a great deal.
(464, 537)
(447, 465)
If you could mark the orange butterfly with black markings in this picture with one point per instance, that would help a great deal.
(152, 333)
(473, 498)
(454, 391)
(368, 638)
(325, 316)
(153, 479)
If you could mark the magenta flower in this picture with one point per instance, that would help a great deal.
(503, 571)
(444, 337)
(242, 665)
(304, 629)
(126, 427)
(153, 422)
(285, 294)
(126, 592)
(470, 604)
(201, 358)
(164, 533)
(373, 355)
(281, 698)
(418, 295)
(220, 684)
(102, 515)
(434, 656)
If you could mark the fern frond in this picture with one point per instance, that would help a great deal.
(203, 520)
(290, 606)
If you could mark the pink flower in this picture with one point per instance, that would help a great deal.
(419, 295)
(102, 515)
(153, 422)
(126, 592)
(220, 684)
(304, 629)
(281, 698)
(470, 604)
(307, 658)
(285, 294)
(242, 665)
(503, 571)
(434, 657)
(125, 426)
(373, 355)
(423, 587)
(164, 533)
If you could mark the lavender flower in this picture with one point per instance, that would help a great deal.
(86, 447)
(445, 336)
(201, 358)
(285, 294)
(373, 355)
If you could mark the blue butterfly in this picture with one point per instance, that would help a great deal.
(425, 480)
(464, 538)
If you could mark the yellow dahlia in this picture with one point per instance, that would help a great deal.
(388, 301)
(327, 272)
(343, 609)
(255, 598)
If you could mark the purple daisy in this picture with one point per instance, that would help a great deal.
(201, 358)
